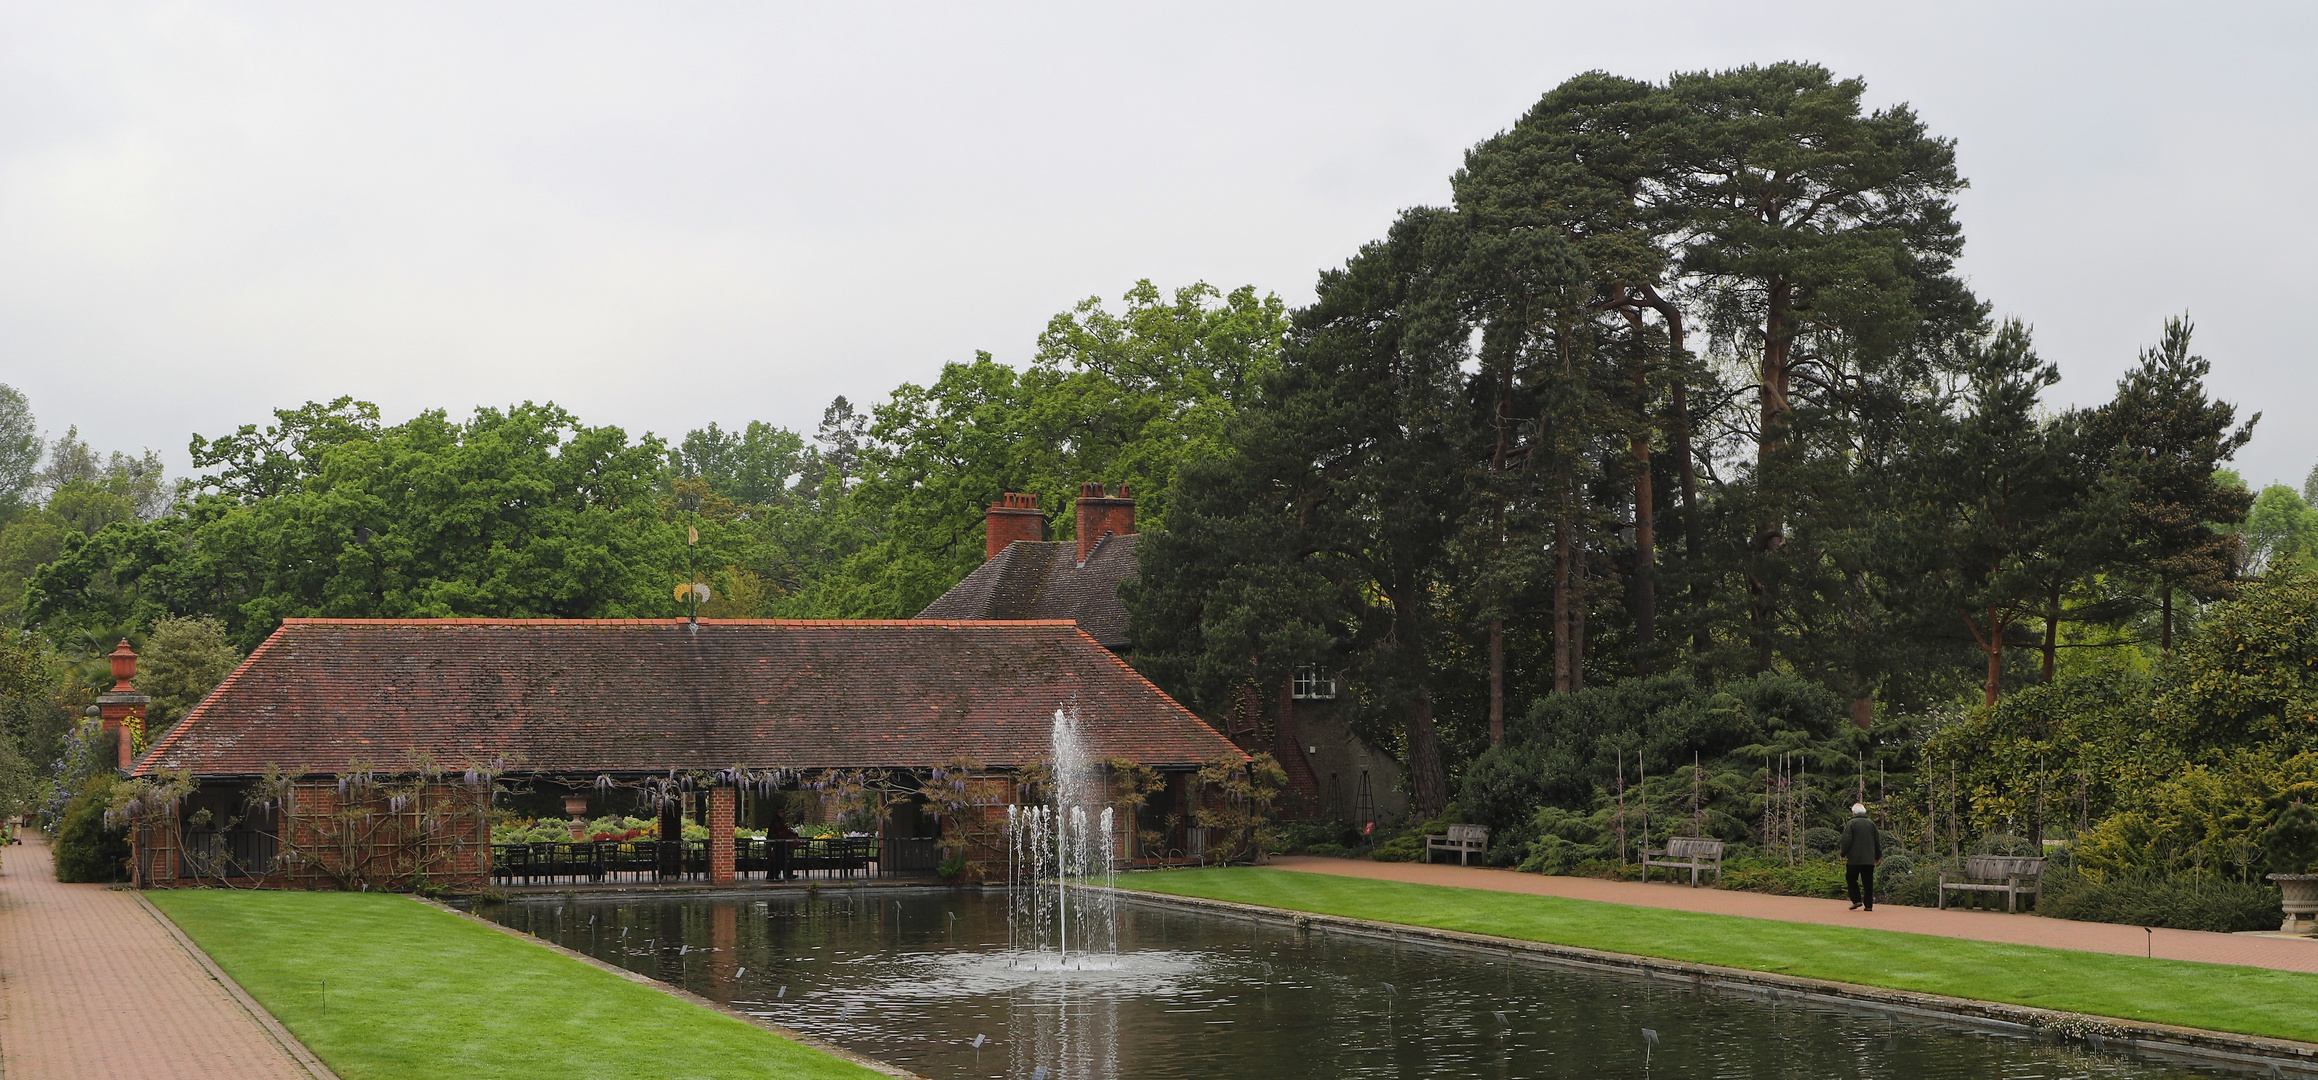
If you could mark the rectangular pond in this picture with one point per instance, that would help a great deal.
(924, 978)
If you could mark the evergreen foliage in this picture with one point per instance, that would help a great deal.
(84, 848)
(2292, 840)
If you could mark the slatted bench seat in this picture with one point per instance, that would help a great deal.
(1693, 853)
(2011, 875)
(1465, 840)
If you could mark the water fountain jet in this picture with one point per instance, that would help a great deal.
(1055, 846)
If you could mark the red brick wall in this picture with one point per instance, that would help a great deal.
(720, 852)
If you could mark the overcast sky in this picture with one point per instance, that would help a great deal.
(660, 215)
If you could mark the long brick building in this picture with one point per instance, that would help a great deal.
(421, 721)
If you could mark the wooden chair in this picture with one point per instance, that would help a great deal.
(1465, 840)
(1693, 853)
(2011, 875)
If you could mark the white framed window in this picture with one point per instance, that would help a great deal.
(1311, 682)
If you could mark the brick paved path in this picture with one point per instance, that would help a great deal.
(94, 985)
(2282, 953)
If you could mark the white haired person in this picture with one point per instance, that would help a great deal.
(1862, 849)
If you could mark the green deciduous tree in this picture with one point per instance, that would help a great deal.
(524, 512)
(184, 658)
(757, 465)
(2280, 532)
(20, 448)
(1126, 398)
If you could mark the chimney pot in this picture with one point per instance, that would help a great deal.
(1013, 517)
(1100, 514)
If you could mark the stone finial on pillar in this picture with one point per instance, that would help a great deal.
(121, 710)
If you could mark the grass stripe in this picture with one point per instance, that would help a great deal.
(2216, 997)
(415, 994)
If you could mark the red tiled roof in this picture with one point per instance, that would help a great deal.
(648, 695)
(1044, 580)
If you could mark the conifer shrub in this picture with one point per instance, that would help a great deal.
(2292, 841)
(2182, 902)
(1807, 877)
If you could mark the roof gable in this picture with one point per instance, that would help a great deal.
(1045, 580)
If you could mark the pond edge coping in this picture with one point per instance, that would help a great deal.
(299, 1054)
(687, 996)
(2255, 1052)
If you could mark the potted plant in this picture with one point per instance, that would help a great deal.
(2292, 845)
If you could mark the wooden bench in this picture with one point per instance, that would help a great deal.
(1465, 840)
(2011, 875)
(1693, 853)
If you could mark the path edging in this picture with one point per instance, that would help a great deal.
(687, 996)
(273, 1028)
(2098, 1032)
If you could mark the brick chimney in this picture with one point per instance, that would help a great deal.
(121, 710)
(1013, 517)
(1101, 514)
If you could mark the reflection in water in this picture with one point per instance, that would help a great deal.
(914, 976)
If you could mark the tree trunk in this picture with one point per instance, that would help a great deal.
(1497, 624)
(1428, 783)
(1768, 442)
(1862, 689)
(1496, 682)
(1645, 510)
(2165, 631)
(1775, 373)
(1994, 643)
(1561, 567)
(1577, 622)
(1759, 616)
(1678, 403)
(2051, 629)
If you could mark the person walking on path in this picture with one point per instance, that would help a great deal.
(1862, 849)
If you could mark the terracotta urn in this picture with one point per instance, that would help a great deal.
(2301, 901)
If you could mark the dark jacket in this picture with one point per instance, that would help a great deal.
(1862, 846)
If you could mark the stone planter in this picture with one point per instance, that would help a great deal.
(2301, 895)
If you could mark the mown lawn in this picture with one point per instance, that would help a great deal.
(2252, 1001)
(413, 992)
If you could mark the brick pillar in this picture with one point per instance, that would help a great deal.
(121, 710)
(720, 856)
